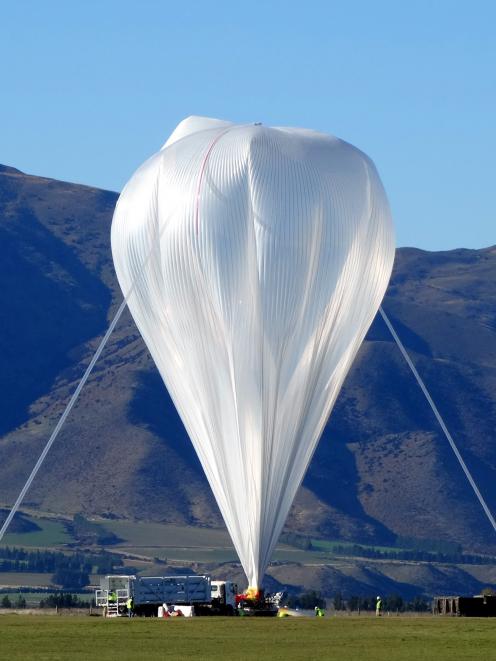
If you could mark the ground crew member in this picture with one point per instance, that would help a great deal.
(130, 606)
(319, 612)
(111, 599)
(378, 607)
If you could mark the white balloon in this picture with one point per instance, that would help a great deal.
(256, 259)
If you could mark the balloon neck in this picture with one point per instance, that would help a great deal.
(253, 592)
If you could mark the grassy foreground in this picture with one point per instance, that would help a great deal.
(362, 638)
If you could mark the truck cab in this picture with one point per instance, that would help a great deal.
(224, 595)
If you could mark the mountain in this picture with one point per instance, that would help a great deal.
(382, 468)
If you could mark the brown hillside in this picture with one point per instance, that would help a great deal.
(382, 468)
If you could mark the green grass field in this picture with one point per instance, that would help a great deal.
(188, 544)
(141, 533)
(209, 555)
(26, 579)
(76, 638)
(329, 546)
(52, 534)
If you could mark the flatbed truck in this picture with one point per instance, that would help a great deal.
(198, 594)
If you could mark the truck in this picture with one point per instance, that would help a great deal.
(192, 595)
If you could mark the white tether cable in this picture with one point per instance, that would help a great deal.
(62, 419)
(439, 418)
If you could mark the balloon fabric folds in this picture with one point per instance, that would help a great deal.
(254, 260)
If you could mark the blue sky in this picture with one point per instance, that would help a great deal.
(89, 90)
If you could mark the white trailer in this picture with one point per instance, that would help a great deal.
(151, 592)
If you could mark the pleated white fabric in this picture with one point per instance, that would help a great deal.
(254, 260)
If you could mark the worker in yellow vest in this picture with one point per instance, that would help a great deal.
(129, 607)
(319, 612)
(378, 607)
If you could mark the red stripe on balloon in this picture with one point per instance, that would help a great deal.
(202, 172)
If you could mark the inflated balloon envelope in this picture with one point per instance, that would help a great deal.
(254, 260)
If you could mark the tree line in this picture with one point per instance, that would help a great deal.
(57, 600)
(356, 550)
(407, 548)
(392, 603)
(68, 570)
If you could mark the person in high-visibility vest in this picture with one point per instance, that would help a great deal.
(130, 606)
(378, 606)
(319, 612)
(112, 598)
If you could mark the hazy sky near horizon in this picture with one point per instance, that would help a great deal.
(89, 90)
